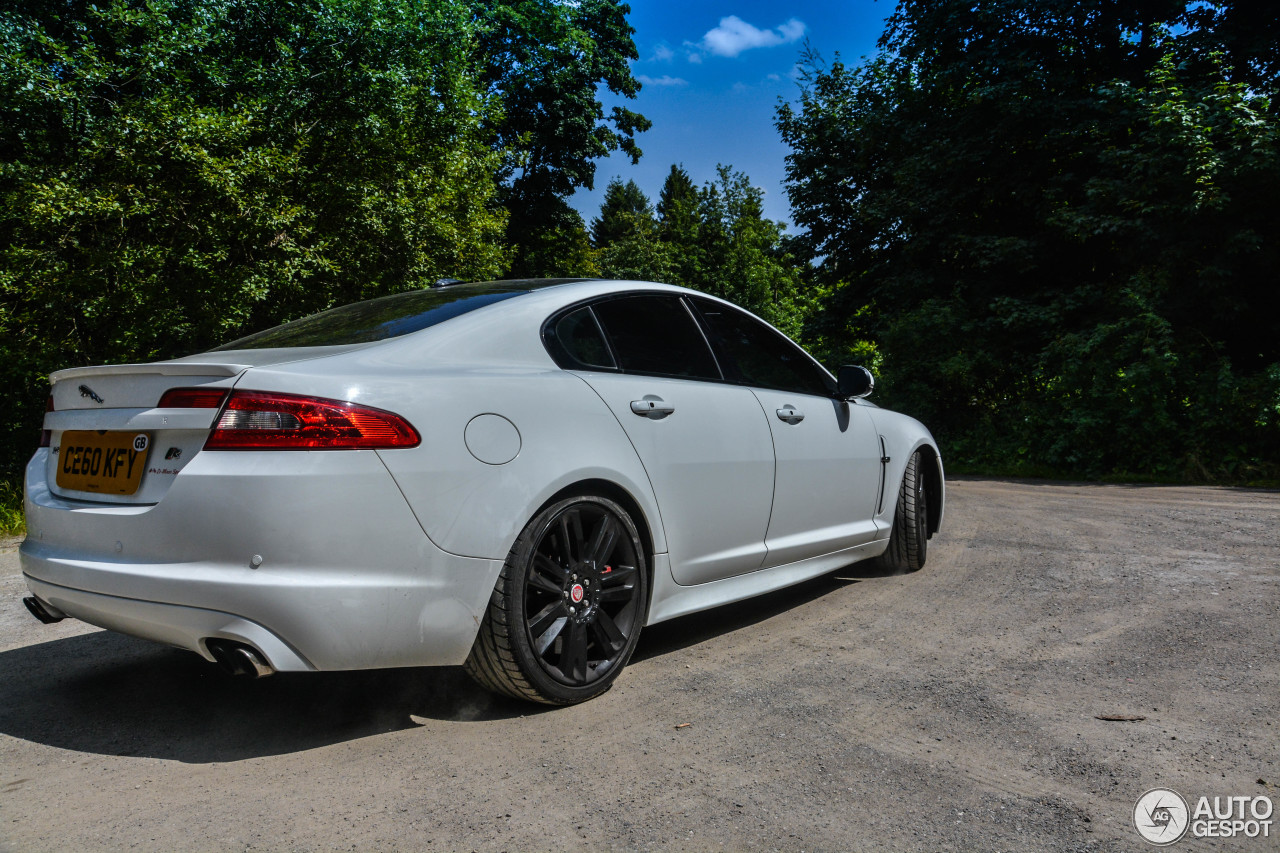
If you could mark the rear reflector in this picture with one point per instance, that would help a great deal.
(193, 398)
(257, 420)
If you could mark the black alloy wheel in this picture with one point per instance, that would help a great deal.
(567, 611)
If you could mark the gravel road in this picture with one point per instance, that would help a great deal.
(951, 709)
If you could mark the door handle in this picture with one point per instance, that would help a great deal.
(790, 414)
(652, 407)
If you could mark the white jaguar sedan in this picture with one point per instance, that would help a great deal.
(516, 476)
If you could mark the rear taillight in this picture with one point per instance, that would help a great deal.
(46, 436)
(257, 420)
(193, 398)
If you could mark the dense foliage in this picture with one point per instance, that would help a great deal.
(546, 62)
(714, 239)
(1055, 221)
(175, 173)
(1047, 223)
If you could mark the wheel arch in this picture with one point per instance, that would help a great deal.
(507, 658)
(933, 484)
(622, 497)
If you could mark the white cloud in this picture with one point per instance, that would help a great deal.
(662, 53)
(792, 30)
(664, 80)
(735, 35)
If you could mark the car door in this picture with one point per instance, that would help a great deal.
(826, 450)
(704, 443)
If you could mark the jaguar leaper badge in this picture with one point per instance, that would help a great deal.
(86, 391)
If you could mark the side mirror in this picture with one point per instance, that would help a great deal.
(854, 381)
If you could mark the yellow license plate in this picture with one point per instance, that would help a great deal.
(110, 463)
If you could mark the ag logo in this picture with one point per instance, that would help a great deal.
(140, 442)
(1161, 816)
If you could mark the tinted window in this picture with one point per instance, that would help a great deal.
(759, 356)
(579, 337)
(386, 317)
(656, 334)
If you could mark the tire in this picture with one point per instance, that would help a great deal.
(566, 612)
(909, 538)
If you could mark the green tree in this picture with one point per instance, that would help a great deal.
(720, 243)
(559, 248)
(625, 235)
(624, 213)
(677, 206)
(177, 173)
(546, 62)
(1051, 219)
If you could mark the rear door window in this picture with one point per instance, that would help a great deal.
(656, 335)
(754, 354)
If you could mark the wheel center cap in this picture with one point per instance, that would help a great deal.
(575, 593)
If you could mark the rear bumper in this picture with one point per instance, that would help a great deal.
(184, 627)
(347, 579)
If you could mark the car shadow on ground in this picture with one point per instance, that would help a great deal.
(109, 694)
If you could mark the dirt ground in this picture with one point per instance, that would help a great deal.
(951, 709)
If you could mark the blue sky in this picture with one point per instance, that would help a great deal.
(713, 73)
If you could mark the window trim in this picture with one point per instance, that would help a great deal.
(724, 358)
(560, 355)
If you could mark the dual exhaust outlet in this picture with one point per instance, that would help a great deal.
(235, 658)
(239, 659)
(46, 613)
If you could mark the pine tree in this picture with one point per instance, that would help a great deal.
(626, 212)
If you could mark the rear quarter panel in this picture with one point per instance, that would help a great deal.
(467, 506)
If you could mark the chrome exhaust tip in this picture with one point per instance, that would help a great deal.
(46, 613)
(238, 659)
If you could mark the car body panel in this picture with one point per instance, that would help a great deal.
(362, 558)
(672, 600)
(710, 459)
(828, 470)
(180, 626)
(347, 577)
(465, 505)
(903, 436)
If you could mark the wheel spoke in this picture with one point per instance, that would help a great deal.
(618, 584)
(579, 534)
(603, 542)
(546, 575)
(572, 538)
(573, 657)
(543, 642)
(618, 576)
(616, 594)
(544, 619)
(562, 540)
(607, 633)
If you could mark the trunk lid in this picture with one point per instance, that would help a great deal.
(110, 440)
